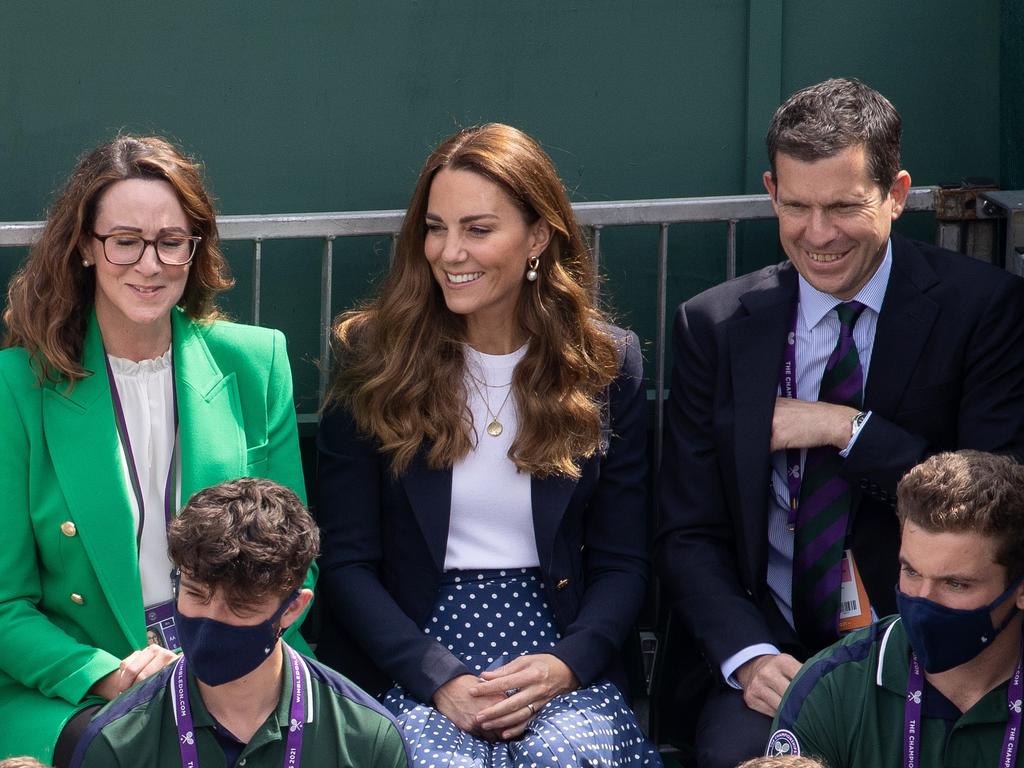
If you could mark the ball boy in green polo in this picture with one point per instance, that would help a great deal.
(940, 684)
(238, 695)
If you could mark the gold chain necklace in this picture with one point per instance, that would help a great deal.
(494, 427)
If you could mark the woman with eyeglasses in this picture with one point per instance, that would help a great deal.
(482, 476)
(122, 393)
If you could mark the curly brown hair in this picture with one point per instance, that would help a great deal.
(400, 360)
(969, 491)
(50, 296)
(251, 537)
(782, 761)
(21, 762)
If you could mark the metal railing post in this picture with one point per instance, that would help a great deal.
(659, 347)
(257, 277)
(595, 253)
(730, 250)
(326, 283)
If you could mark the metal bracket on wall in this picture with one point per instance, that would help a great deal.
(957, 225)
(1009, 206)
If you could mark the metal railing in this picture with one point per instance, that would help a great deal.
(595, 217)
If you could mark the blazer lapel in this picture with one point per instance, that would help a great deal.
(756, 348)
(430, 496)
(87, 459)
(210, 435)
(904, 324)
(550, 497)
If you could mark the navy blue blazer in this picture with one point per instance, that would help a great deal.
(947, 372)
(384, 542)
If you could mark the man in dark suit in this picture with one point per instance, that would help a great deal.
(801, 393)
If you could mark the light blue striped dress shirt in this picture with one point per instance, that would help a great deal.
(817, 332)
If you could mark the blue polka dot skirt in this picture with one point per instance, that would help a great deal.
(487, 618)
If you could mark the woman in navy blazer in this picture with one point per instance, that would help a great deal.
(484, 540)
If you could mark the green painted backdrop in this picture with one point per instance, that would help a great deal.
(314, 106)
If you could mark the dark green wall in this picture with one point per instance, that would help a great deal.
(314, 106)
(1011, 71)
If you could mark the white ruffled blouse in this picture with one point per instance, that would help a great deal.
(146, 390)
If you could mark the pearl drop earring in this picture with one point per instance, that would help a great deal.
(531, 273)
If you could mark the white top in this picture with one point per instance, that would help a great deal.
(491, 523)
(146, 389)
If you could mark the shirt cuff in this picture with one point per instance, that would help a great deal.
(737, 660)
(853, 437)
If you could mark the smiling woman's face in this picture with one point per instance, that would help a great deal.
(478, 243)
(136, 297)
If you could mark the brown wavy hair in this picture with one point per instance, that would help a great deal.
(51, 295)
(969, 492)
(400, 363)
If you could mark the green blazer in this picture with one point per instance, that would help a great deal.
(70, 597)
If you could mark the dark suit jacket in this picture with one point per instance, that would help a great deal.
(384, 542)
(947, 372)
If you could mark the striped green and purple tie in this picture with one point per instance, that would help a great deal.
(825, 501)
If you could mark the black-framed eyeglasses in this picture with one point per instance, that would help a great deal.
(125, 248)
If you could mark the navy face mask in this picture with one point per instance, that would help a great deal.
(219, 653)
(944, 637)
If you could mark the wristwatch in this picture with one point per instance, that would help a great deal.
(857, 422)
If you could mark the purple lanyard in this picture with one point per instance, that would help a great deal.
(126, 444)
(787, 388)
(296, 717)
(912, 716)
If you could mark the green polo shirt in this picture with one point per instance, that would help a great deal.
(344, 727)
(846, 707)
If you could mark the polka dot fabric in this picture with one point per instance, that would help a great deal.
(487, 618)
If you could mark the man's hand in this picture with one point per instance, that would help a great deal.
(135, 667)
(765, 679)
(809, 424)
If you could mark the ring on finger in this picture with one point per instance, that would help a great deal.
(533, 712)
(511, 692)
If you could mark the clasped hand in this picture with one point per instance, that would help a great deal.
(479, 704)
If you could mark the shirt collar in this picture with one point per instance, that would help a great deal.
(894, 669)
(894, 658)
(814, 304)
(201, 716)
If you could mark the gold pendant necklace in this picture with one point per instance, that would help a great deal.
(494, 427)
